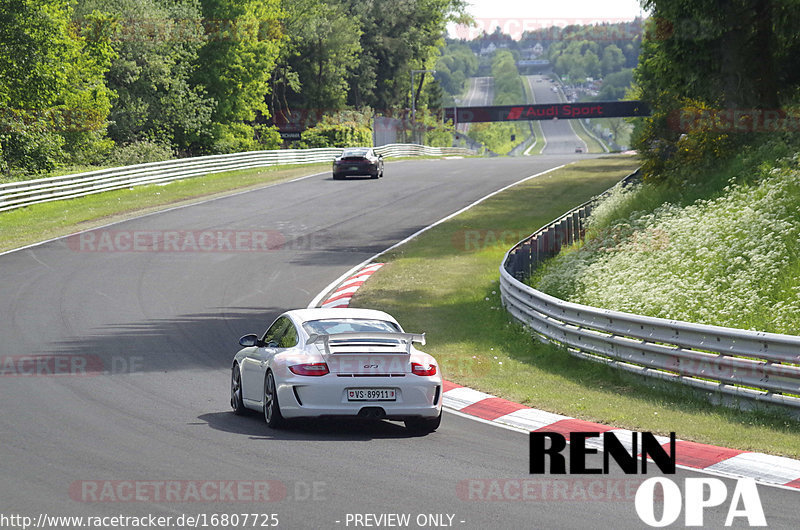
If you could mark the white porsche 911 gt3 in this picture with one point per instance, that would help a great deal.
(337, 362)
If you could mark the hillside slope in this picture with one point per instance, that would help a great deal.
(732, 259)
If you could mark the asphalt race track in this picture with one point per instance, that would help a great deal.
(561, 138)
(481, 92)
(147, 337)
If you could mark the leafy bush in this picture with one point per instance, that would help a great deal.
(683, 152)
(32, 149)
(496, 136)
(140, 153)
(267, 137)
(326, 134)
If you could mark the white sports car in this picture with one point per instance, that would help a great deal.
(337, 362)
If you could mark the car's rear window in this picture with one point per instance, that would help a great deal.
(348, 325)
(354, 152)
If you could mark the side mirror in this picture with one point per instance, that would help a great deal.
(249, 340)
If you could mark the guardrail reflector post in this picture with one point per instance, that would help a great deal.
(526, 257)
(558, 240)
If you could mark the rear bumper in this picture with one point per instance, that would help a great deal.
(327, 396)
(366, 170)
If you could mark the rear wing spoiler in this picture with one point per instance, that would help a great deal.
(325, 339)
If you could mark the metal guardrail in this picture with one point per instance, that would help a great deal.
(746, 364)
(23, 193)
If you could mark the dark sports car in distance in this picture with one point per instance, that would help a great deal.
(358, 161)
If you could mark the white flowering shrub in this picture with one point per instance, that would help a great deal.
(732, 261)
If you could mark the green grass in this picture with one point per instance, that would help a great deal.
(539, 144)
(38, 222)
(594, 145)
(445, 283)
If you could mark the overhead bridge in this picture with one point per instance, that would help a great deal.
(548, 111)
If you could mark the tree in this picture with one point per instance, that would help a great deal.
(702, 51)
(591, 64)
(157, 44)
(52, 86)
(700, 57)
(456, 63)
(322, 51)
(615, 85)
(235, 64)
(613, 59)
(398, 37)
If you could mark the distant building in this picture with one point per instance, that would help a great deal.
(488, 50)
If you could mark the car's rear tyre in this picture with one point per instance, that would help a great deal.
(423, 425)
(237, 404)
(272, 410)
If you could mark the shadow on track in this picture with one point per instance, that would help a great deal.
(323, 429)
(201, 340)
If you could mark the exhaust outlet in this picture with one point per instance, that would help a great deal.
(372, 413)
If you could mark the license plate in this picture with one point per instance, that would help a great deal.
(371, 394)
(354, 168)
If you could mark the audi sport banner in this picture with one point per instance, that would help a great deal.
(549, 111)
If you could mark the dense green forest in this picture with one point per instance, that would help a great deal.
(713, 78)
(85, 82)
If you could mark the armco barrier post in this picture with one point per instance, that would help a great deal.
(536, 249)
(526, 260)
(583, 214)
(512, 263)
(547, 236)
(559, 237)
(569, 227)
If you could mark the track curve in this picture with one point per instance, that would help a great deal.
(157, 331)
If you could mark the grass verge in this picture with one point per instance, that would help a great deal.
(592, 143)
(39, 222)
(445, 282)
(538, 145)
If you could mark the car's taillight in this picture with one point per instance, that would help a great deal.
(309, 369)
(423, 369)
